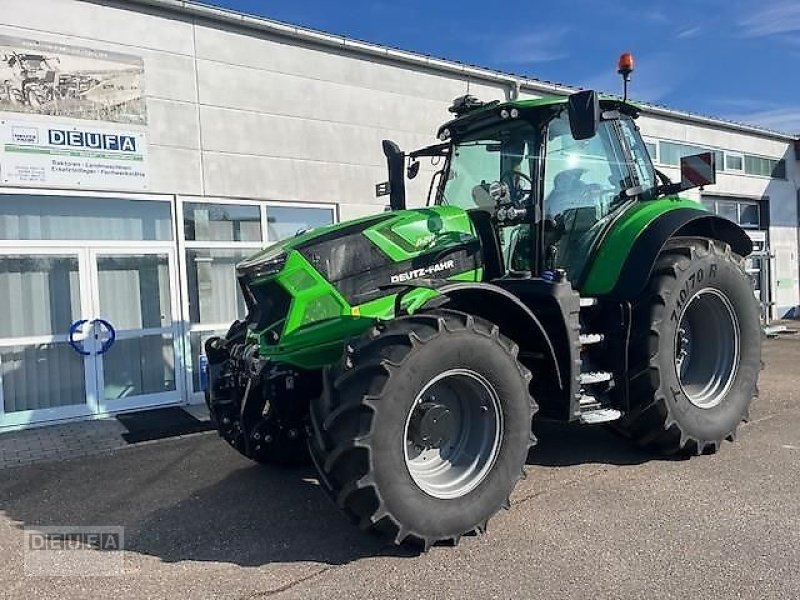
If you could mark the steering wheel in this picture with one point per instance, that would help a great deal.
(519, 195)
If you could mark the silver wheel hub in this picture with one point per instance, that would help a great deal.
(452, 433)
(707, 348)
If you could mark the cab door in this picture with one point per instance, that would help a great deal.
(584, 182)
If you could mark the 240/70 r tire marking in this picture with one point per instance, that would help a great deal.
(691, 283)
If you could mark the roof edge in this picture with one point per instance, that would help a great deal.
(515, 82)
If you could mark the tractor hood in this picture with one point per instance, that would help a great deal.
(402, 240)
(303, 292)
(276, 253)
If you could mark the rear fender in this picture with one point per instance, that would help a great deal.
(623, 263)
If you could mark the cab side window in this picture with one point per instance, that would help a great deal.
(584, 182)
(586, 174)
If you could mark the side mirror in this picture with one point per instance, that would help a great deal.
(698, 170)
(395, 162)
(584, 114)
(413, 169)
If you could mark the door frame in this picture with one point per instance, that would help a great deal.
(72, 411)
(83, 248)
(176, 396)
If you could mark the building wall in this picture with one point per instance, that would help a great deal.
(782, 194)
(238, 114)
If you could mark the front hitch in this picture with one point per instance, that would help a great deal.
(259, 406)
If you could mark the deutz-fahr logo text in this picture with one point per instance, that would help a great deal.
(416, 273)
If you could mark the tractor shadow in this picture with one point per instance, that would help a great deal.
(255, 516)
(192, 500)
(562, 444)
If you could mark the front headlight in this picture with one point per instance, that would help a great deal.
(257, 268)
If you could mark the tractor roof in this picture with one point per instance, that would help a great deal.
(481, 115)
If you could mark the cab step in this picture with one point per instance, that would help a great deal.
(592, 377)
(599, 415)
(588, 402)
(586, 339)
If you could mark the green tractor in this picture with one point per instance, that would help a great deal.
(554, 273)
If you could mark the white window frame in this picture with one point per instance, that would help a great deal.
(85, 247)
(655, 142)
(184, 245)
(738, 155)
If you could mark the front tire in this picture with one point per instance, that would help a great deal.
(695, 351)
(426, 427)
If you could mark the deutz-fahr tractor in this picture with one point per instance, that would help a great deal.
(554, 273)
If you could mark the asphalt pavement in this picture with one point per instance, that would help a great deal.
(596, 518)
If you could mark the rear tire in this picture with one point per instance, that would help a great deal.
(695, 350)
(443, 387)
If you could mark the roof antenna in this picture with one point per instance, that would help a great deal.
(625, 68)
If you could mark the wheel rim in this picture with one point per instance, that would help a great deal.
(452, 433)
(707, 348)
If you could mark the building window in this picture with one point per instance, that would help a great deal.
(749, 215)
(219, 235)
(652, 150)
(40, 217)
(728, 210)
(286, 221)
(764, 167)
(222, 222)
(734, 162)
(746, 213)
(670, 153)
(213, 292)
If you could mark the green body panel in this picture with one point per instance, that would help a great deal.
(610, 257)
(320, 319)
(414, 232)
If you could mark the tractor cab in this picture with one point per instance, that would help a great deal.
(547, 182)
(551, 185)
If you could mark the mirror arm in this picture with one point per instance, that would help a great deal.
(432, 151)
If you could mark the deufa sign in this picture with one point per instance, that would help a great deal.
(92, 140)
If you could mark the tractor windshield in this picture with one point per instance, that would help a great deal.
(505, 154)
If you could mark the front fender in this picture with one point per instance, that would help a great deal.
(508, 312)
(624, 260)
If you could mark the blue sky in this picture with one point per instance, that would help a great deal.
(735, 59)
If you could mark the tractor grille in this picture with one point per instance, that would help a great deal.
(271, 304)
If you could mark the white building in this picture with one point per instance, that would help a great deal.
(146, 146)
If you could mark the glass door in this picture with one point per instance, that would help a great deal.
(135, 328)
(43, 292)
(86, 331)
